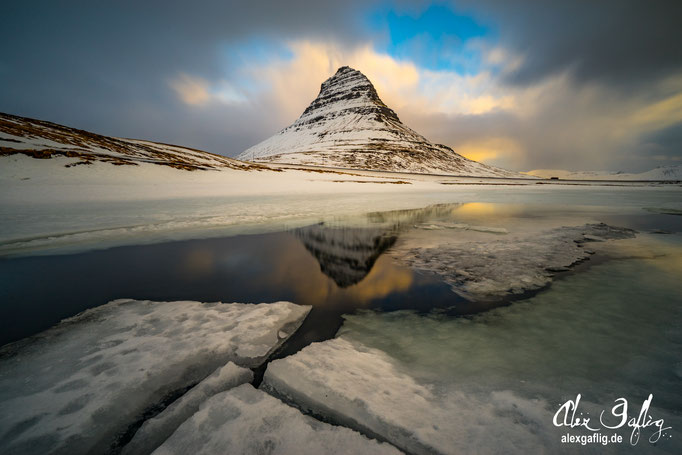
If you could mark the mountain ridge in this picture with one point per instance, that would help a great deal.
(42, 139)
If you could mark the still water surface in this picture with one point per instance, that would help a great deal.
(335, 268)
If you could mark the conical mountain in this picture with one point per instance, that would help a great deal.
(348, 126)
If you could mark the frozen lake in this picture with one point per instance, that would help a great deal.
(500, 305)
(292, 264)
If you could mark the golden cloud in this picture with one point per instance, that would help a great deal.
(552, 123)
(191, 90)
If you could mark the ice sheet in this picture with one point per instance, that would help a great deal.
(159, 428)
(495, 268)
(77, 387)
(365, 389)
(245, 420)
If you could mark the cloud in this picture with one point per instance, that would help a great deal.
(504, 151)
(659, 114)
(105, 66)
(197, 91)
(293, 82)
(580, 85)
(191, 90)
(621, 43)
(551, 123)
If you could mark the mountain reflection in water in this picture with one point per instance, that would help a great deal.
(347, 254)
(336, 278)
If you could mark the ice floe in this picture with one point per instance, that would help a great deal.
(78, 387)
(245, 420)
(365, 389)
(159, 428)
(491, 269)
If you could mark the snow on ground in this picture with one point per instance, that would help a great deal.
(491, 383)
(659, 173)
(504, 265)
(44, 140)
(392, 160)
(160, 427)
(245, 420)
(76, 388)
(46, 207)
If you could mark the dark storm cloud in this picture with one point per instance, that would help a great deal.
(619, 42)
(107, 66)
(104, 66)
(665, 143)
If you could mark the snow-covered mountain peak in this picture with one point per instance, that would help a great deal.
(348, 91)
(348, 126)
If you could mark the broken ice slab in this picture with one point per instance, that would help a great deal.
(365, 389)
(491, 383)
(508, 265)
(79, 386)
(159, 428)
(245, 420)
(437, 226)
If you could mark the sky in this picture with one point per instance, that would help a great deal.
(529, 84)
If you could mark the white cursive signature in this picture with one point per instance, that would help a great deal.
(567, 415)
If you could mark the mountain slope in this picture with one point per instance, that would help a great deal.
(41, 139)
(348, 126)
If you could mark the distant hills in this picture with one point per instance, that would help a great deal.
(44, 140)
(659, 173)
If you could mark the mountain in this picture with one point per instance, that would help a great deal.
(658, 174)
(348, 126)
(41, 139)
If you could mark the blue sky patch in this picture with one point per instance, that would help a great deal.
(434, 38)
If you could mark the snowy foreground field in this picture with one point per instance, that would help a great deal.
(558, 288)
(45, 206)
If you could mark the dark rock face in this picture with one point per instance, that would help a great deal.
(348, 125)
(349, 84)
